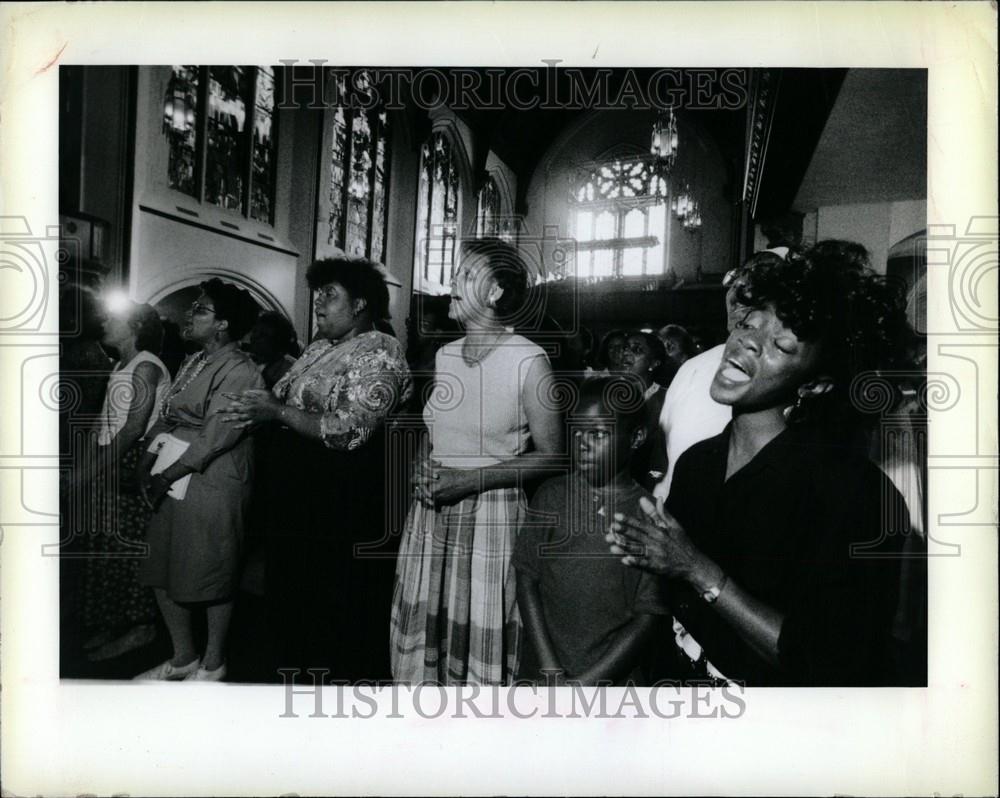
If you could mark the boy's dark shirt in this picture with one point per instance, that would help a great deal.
(782, 528)
(587, 595)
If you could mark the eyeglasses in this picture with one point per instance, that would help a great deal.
(325, 293)
(197, 307)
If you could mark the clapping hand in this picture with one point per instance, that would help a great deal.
(655, 543)
(253, 406)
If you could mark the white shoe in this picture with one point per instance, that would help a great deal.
(169, 673)
(202, 675)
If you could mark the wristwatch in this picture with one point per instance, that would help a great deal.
(711, 595)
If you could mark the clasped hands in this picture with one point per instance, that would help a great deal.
(253, 406)
(435, 484)
(655, 543)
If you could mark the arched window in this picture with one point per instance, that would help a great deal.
(357, 162)
(618, 215)
(220, 126)
(437, 215)
(488, 210)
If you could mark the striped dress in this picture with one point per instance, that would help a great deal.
(454, 616)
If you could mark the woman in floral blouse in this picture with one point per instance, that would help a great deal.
(329, 573)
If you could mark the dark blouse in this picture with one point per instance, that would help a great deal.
(800, 528)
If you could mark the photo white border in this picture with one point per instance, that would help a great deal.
(165, 739)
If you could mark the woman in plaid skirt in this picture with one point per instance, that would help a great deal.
(490, 428)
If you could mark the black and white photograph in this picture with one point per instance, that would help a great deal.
(663, 326)
(408, 392)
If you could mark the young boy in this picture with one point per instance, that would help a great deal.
(588, 618)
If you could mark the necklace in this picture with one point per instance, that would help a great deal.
(187, 375)
(484, 351)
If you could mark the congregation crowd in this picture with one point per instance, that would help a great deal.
(495, 505)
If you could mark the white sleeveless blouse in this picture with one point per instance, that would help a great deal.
(119, 397)
(475, 414)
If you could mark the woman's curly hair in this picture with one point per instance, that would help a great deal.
(359, 277)
(829, 296)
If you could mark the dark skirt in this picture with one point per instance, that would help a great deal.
(113, 599)
(329, 558)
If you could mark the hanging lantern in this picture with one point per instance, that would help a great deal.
(681, 203)
(664, 143)
(692, 219)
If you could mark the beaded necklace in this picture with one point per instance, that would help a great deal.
(484, 351)
(187, 375)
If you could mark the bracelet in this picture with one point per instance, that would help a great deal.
(711, 595)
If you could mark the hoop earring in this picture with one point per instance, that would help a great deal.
(793, 413)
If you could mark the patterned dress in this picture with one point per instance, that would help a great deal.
(328, 552)
(113, 599)
(454, 616)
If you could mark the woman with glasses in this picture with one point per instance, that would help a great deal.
(206, 465)
(329, 569)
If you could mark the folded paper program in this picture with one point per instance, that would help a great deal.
(168, 450)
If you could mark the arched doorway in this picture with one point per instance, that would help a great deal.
(172, 304)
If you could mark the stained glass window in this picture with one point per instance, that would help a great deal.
(338, 153)
(488, 212)
(262, 185)
(437, 215)
(226, 151)
(380, 189)
(618, 213)
(221, 126)
(491, 221)
(358, 163)
(180, 113)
